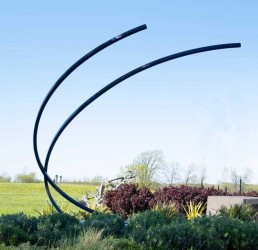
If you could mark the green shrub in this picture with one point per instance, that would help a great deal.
(139, 223)
(48, 230)
(12, 235)
(172, 236)
(108, 223)
(243, 212)
(56, 228)
(204, 233)
(17, 228)
(145, 230)
(151, 230)
(233, 233)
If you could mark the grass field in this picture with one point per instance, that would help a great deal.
(25, 197)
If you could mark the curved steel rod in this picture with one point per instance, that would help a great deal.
(43, 105)
(127, 75)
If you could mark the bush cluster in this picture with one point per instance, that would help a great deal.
(129, 198)
(151, 229)
(108, 223)
(153, 222)
(146, 230)
(56, 229)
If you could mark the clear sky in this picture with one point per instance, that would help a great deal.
(201, 109)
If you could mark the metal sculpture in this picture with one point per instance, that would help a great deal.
(106, 185)
(44, 167)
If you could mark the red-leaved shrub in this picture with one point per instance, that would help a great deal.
(180, 195)
(251, 194)
(128, 199)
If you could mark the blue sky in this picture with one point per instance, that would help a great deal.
(200, 109)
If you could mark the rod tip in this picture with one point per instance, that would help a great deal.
(144, 26)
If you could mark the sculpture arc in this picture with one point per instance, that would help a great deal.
(124, 77)
(93, 98)
(47, 98)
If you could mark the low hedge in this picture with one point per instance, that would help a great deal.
(145, 230)
(201, 233)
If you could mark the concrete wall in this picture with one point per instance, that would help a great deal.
(215, 202)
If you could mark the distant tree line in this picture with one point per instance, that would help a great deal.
(150, 169)
(23, 177)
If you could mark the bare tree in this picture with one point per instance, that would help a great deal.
(225, 178)
(247, 175)
(152, 159)
(203, 175)
(225, 174)
(189, 174)
(234, 176)
(172, 173)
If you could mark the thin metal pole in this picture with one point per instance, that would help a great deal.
(43, 105)
(240, 183)
(127, 75)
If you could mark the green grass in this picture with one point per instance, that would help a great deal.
(25, 197)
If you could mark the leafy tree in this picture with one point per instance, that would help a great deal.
(145, 167)
(97, 179)
(26, 177)
(5, 178)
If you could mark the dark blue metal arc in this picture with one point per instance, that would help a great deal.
(124, 77)
(43, 105)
